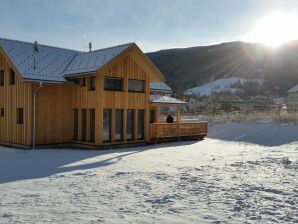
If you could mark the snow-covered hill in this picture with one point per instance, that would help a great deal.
(220, 85)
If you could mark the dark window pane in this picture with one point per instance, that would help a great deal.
(2, 112)
(111, 83)
(20, 116)
(92, 83)
(83, 82)
(1, 77)
(130, 125)
(75, 124)
(84, 125)
(152, 116)
(92, 125)
(12, 77)
(119, 125)
(136, 85)
(107, 125)
(141, 124)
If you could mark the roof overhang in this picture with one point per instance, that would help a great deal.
(165, 100)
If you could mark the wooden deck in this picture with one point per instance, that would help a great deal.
(166, 131)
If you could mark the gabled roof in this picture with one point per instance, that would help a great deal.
(160, 86)
(54, 64)
(165, 100)
(50, 62)
(91, 61)
(294, 89)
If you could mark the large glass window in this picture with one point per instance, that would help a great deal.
(84, 125)
(152, 116)
(75, 125)
(83, 82)
(20, 116)
(107, 125)
(112, 83)
(136, 85)
(118, 125)
(12, 77)
(92, 125)
(141, 124)
(92, 83)
(1, 77)
(130, 125)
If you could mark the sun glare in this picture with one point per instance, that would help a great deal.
(275, 29)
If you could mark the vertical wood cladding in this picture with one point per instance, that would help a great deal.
(13, 96)
(55, 104)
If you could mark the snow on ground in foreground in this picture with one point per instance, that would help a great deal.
(212, 181)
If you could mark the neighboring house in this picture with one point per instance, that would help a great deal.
(50, 95)
(292, 99)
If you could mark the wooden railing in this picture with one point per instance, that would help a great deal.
(178, 130)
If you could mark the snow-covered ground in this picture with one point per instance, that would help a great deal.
(220, 85)
(222, 179)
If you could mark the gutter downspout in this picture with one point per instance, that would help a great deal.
(34, 114)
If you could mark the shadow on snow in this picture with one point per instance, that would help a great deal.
(18, 164)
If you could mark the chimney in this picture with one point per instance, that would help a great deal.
(35, 51)
(90, 46)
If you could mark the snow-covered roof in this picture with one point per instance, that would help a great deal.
(294, 89)
(165, 100)
(160, 86)
(52, 63)
(91, 61)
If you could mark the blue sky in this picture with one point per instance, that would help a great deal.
(152, 24)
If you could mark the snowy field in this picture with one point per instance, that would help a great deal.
(241, 173)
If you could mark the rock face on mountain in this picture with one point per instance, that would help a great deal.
(190, 67)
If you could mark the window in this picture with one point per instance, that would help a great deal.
(2, 112)
(107, 125)
(130, 125)
(20, 116)
(75, 124)
(152, 116)
(92, 125)
(119, 125)
(1, 77)
(92, 83)
(84, 125)
(141, 124)
(83, 82)
(136, 85)
(114, 84)
(12, 77)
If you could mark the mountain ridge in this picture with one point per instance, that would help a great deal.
(186, 68)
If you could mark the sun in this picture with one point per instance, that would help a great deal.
(275, 29)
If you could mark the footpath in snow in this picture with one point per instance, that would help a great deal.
(233, 176)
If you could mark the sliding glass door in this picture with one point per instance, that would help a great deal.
(130, 125)
(107, 125)
(141, 124)
(118, 125)
(92, 125)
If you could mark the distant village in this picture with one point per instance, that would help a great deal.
(236, 95)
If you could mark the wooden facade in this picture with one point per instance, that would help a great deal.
(73, 112)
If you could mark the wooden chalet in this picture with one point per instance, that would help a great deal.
(51, 96)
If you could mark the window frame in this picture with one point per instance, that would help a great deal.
(115, 78)
(135, 91)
